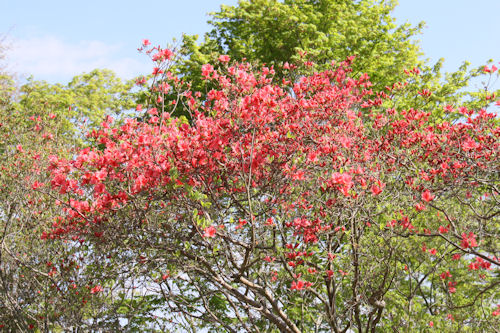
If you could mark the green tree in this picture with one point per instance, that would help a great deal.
(275, 32)
(85, 100)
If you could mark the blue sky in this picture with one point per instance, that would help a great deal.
(54, 40)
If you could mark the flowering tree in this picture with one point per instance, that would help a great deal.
(50, 285)
(304, 206)
(29, 267)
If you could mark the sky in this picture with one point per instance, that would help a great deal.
(54, 40)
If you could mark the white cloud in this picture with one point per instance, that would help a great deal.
(50, 58)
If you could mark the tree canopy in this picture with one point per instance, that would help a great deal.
(301, 169)
(317, 210)
(275, 32)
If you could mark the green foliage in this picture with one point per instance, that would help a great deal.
(445, 90)
(275, 32)
(87, 98)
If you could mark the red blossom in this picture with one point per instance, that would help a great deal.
(376, 190)
(468, 241)
(493, 69)
(96, 290)
(496, 312)
(206, 70)
(469, 144)
(452, 287)
(427, 196)
(300, 285)
(37, 185)
(224, 58)
(210, 232)
(443, 230)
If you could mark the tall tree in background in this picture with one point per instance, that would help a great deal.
(86, 100)
(274, 32)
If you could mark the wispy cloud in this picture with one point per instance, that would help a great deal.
(50, 58)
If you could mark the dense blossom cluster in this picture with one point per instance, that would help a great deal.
(297, 179)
